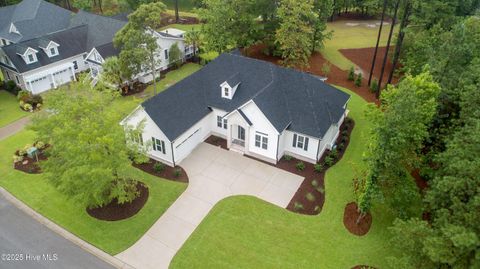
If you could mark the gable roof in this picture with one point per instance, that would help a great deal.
(32, 19)
(72, 42)
(290, 99)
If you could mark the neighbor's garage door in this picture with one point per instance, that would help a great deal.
(40, 85)
(62, 77)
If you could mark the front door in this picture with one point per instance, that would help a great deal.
(241, 133)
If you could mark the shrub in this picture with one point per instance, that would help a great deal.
(358, 80)
(22, 95)
(318, 168)
(333, 153)
(351, 74)
(11, 87)
(314, 183)
(22, 152)
(158, 167)
(27, 107)
(374, 86)
(287, 157)
(21, 104)
(328, 161)
(310, 197)
(320, 189)
(326, 68)
(344, 133)
(341, 146)
(298, 206)
(300, 166)
(36, 99)
(17, 158)
(40, 145)
(38, 106)
(344, 139)
(177, 172)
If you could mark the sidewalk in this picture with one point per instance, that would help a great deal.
(13, 127)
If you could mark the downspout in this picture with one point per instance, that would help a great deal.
(278, 144)
(173, 156)
(318, 150)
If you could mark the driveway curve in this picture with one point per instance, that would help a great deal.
(214, 174)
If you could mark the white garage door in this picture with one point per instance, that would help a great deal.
(40, 85)
(62, 77)
(187, 145)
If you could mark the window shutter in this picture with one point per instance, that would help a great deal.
(153, 144)
(163, 147)
(294, 140)
(305, 146)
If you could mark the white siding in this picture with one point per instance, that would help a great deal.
(262, 125)
(151, 130)
(218, 131)
(189, 140)
(309, 155)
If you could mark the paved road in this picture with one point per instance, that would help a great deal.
(22, 235)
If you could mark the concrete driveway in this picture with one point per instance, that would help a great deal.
(214, 174)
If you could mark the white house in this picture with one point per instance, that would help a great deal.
(262, 110)
(165, 40)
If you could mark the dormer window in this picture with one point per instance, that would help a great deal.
(226, 92)
(31, 58)
(53, 51)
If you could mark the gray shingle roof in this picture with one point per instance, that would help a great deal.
(32, 18)
(72, 42)
(108, 50)
(290, 99)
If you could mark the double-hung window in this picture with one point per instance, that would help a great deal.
(261, 140)
(300, 141)
(222, 123)
(158, 145)
(138, 139)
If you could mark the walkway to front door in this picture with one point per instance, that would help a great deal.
(214, 174)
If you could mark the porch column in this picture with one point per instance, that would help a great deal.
(73, 73)
(53, 81)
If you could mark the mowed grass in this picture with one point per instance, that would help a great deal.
(351, 37)
(183, 5)
(184, 27)
(246, 232)
(173, 77)
(112, 237)
(9, 109)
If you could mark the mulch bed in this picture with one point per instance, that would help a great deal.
(363, 267)
(350, 218)
(115, 211)
(30, 165)
(137, 87)
(363, 58)
(307, 188)
(336, 76)
(167, 173)
(217, 141)
(167, 19)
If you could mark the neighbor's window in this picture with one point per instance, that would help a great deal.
(138, 139)
(158, 145)
(300, 142)
(261, 140)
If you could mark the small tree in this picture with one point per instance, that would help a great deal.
(193, 38)
(115, 72)
(351, 74)
(326, 68)
(374, 86)
(175, 56)
(88, 158)
(358, 80)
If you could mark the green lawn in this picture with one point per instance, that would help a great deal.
(183, 5)
(112, 237)
(246, 232)
(183, 27)
(349, 37)
(9, 109)
(173, 77)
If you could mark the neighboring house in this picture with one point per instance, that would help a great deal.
(165, 39)
(43, 46)
(261, 109)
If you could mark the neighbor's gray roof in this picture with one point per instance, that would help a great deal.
(32, 18)
(290, 99)
(72, 42)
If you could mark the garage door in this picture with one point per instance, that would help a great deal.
(62, 77)
(187, 145)
(40, 85)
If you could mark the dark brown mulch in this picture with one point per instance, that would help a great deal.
(350, 218)
(115, 211)
(217, 141)
(137, 87)
(363, 58)
(167, 173)
(422, 184)
(336, 76)
(363, 267)
(30, 165)
(300, 198)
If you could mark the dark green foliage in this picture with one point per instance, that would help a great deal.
(159, 167)
(358, 80)
(300, 166)
(287, 157)
(374, 86)
(11, 87)
(351, 74)
(298, 206)
(333, 154)
(328, 161)
(175, 56)
(318, 167)
(177, 172)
